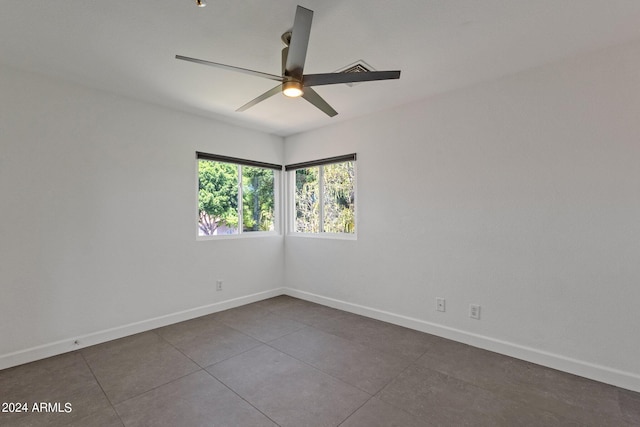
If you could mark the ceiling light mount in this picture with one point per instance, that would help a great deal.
(292, 89)
(201, 3)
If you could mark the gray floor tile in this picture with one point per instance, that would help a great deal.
(561, 393)
(444, 400)
(189, 329)
(326, 366)
(105, 418)
(206, 341)
(258, 321)
(353, 363)
(290, 392)
(473, 365)
(308, 313)
(585, 401)
(630, 406)
(277, 303)
(376, 413)
(135, 364)
(245, 313)
(379, 335)
(265, 328)
(195, 400)
(62, 379)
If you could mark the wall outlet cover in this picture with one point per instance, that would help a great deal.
(474, 311)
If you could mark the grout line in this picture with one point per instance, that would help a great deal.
(318, 369)
(378, 395)
(355, 410)
(473, 385)
(260, 343)
(176, 348)
(286, 335)
(101, 388)
(160, 385)
(153, 388)
(241, 397)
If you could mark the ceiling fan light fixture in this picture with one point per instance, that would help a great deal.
(293, 82)
(201, 3)
(292, 89)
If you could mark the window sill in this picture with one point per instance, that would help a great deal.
(249, 235)
(330, 236)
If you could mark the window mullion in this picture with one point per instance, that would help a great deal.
(291, 201)
(240, 197)
(321, 199)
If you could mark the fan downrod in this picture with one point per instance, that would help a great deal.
(286, 38)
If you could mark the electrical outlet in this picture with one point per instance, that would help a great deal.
(474, 311)
(441, 304)
(218, 285)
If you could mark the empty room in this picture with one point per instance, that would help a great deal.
(320, 213)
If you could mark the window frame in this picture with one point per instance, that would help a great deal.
(240, 163)
(290, 171)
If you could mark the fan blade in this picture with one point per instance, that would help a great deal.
(313, 97)
(294, 66)
(337, 78)
(267, 94)
(232, 68)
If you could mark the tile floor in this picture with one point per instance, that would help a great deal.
(288, 362)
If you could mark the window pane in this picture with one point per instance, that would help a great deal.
(257, 199)
(307, 201)
(217, 198)
(339, 198)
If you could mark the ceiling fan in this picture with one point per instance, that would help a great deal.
(293, 81)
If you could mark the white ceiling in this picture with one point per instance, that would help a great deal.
(129, 46)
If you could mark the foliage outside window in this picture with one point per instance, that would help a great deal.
(235, 198)
(325, 198)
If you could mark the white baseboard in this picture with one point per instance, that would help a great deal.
(592, 371)
(74, 343)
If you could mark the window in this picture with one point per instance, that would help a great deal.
(323, 196)
(236, 196)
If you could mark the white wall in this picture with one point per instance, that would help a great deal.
(521, 195)
(97, 225)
